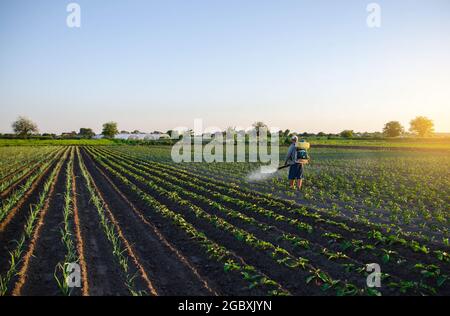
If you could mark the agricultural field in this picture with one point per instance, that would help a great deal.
(430, 144)
(137, 223)
(55, 142)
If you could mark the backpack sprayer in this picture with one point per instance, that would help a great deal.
(302, 158)
(302, 154)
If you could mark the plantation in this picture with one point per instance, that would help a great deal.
(137, 223)
(438, 143)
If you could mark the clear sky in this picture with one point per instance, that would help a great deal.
(155, 65)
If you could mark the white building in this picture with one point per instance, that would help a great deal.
(141, 136)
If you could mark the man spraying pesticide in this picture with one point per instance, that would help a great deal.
(296, 157)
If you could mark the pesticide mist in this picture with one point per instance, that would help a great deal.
(257, 175)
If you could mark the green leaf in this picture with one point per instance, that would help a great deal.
(441, 280)
(310, 278)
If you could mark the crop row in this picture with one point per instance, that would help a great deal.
(231, 262)
(327, 238)
(398, 191)
(13, 159)
(18, 197)
(387, 256)
(112, 232)
(388, 191)
(67, 232)
(264, 230)
(302, 211)
(278, 254)
(19, 260)
(8, 183)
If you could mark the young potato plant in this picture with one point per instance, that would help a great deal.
(29, 228)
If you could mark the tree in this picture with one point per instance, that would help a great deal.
(110, 130)
(259, 126)
(86, 133)
(321, 134)
(393, 129)
(136, 132)
(124, 132)
(347, 133)
(422, 126)
(24, 126)
(286, 133)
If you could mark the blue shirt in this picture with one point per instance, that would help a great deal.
(291, 156)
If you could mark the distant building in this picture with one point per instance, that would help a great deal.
(69, 134)
(164, 136)
(140, 136)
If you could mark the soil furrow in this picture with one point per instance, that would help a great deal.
(128, 247)
(292, 279)
(79, 238)
(49, 250)
(103, 274)
(28, 194)
(156, 254)
(226, 283)
(28, 257)
(13, 226)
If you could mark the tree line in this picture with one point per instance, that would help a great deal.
(420, 126)
(24, 127)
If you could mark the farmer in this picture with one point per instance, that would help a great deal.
(295, 169)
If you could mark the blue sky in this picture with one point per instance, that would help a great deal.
(155, 65)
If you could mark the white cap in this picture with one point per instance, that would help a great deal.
(294, 138)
